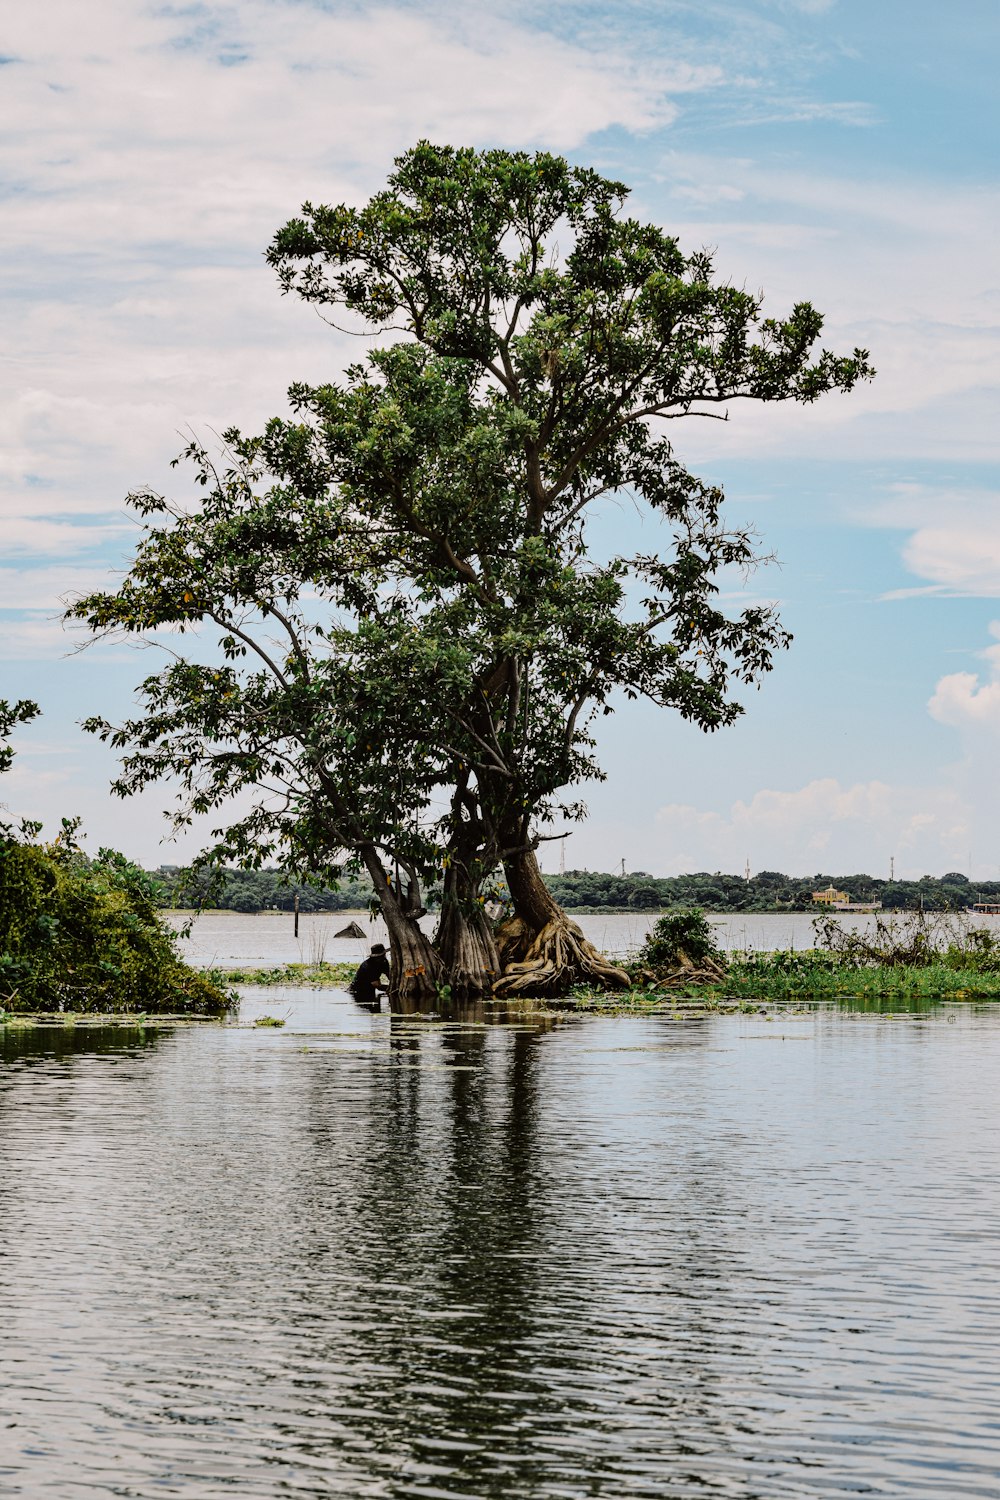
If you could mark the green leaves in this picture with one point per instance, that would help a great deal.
(12, 714)
(82, 935)
(585, 322)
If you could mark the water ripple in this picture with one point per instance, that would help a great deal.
(616, 1259)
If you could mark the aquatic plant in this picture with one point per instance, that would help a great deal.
(334, 975)
(817, 975)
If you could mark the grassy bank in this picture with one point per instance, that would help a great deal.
(819, 975)
(912, 960)
(769, 982)
(319, 974)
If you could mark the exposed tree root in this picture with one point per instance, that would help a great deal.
(549, 962)
(684, 972)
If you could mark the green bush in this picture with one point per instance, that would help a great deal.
(679, 932)
(83, 935)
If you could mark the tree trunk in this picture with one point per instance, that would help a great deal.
(542, 952)
(465, 933)
(465, 942)
(416, 970)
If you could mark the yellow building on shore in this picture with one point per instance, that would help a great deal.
(831, 897)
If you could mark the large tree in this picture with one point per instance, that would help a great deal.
(414, 636)
(585, 330)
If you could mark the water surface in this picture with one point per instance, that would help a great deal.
(740, 1256)
(231, 938)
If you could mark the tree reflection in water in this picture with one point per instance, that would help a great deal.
(389, 1256)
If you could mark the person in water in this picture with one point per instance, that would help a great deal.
(366, 986)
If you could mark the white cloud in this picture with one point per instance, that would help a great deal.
(27, 791)
(158, 148)
(33, 638)
(791, 111)
(822, 825)
(24, 536)
(955, 538)
(45, 588)
(193, 125)
(963, 701)
(963, 557)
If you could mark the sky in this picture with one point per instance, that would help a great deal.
(830, 150)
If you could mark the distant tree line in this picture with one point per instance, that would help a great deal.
(255, 891)
(588, 890)
(768, 890)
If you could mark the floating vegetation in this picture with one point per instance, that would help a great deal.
(269, 1021)
(647, 1001)
(814, 974)
(336, 976)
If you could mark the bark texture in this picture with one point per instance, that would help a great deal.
(464, 937)
(467, 948)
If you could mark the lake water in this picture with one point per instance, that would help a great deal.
(741, 1256)
(232, 938)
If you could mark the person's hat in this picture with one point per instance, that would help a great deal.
(378, 947)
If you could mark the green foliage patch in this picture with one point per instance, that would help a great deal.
(817, 975)
(334, 975)
(80, 935)
(686, 934)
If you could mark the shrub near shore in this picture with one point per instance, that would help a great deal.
(83, 936)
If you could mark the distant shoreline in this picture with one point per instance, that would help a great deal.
(605, 894)
(355, 912)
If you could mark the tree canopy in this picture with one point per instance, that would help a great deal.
(413, 633)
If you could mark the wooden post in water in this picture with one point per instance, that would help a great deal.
(295, 908)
